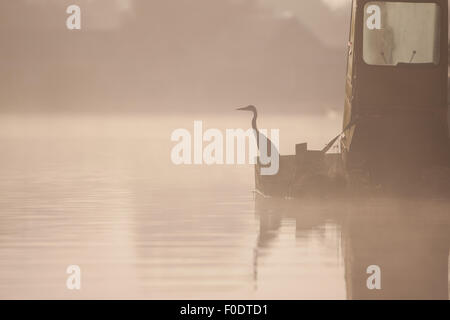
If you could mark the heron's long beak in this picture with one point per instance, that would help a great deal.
(244, 108)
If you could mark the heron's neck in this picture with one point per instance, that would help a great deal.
(254, 126)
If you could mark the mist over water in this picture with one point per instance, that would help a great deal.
(86, 176)
(101, 192)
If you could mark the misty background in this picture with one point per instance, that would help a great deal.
(173, 55)
(86, 176)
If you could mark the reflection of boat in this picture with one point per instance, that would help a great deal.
(395, 135)
(408, 240)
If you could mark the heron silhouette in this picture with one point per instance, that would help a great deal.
(256, 131)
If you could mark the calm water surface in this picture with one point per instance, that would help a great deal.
(101, 192)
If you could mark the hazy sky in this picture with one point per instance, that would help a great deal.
(336, 4)
(326, 19)
(148, 54)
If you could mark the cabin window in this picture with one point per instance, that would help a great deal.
(401, 32)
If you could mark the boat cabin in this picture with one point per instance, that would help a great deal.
(395, 116)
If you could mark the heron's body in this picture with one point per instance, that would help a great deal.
(256, 130)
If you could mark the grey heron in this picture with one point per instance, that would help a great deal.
(257, 132)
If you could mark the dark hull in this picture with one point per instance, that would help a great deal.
(312, 173)
(306, 173)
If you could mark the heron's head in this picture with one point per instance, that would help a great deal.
(248, 108)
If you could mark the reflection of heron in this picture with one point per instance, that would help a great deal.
(256, 131)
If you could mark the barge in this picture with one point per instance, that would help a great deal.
(395, 135)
